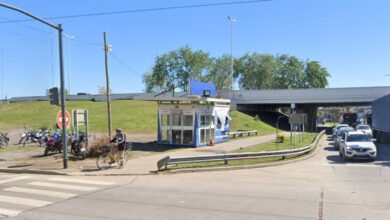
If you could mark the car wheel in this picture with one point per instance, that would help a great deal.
(345, 158)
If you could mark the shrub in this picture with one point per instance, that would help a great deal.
(98, 144)
(280, 138)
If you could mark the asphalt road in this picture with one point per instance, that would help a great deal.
(322, 187)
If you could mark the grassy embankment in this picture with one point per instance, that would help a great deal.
(131, 116)
(268, 146)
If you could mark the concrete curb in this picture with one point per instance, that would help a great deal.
(32, 171)
(227, 168)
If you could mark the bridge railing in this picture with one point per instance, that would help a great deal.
(241, 133)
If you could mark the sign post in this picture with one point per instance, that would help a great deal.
(64, 119)
(80, 117)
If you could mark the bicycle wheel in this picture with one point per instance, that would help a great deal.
(103, 162)
(126, 157)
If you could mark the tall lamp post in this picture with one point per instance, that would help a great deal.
(61, 60)
(231, 21)
(68, 37)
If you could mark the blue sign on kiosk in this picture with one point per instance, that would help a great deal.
(203, 89)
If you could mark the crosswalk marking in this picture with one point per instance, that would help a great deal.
(8, 212)
(68, 180)
(55, 194)
(63, 186)
(14, 179)
(23, 201)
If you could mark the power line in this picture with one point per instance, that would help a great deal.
(26, 26)
(24, 36)
(146, 10)
(124, 64)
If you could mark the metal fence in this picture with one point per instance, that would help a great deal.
(166, 161)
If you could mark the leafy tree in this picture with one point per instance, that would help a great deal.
(220, 73)
(289, 73)
(316, 76)
(255, 71)
(177, 68)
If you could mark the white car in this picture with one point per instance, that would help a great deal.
(337, 127)
(364, 128)
(357, 145)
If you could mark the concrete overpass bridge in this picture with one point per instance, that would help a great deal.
(305, 100)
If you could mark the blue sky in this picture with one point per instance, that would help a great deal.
(350, 38)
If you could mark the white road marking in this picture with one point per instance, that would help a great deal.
(8, 212)
(64, 186)
(24, 201)
(40, 192)
(68, 180)
(14, 179)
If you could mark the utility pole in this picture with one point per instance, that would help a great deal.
(107, 48)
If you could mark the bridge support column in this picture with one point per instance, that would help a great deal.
(311, 117)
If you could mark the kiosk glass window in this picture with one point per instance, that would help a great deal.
(202, 119)
(176, 120)
(209, 119)
(176, 137)
(188, 137)
(188, 120)
(165, 137)
(164, 120)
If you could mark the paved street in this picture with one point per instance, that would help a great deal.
(322, 187)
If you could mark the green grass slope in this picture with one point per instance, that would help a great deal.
(132, 116)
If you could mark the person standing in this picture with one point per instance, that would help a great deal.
(119, 147)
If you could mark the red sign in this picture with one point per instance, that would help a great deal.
(59, 119)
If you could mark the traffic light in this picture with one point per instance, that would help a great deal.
(54, 97)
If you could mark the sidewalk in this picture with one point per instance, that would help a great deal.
(148, 164)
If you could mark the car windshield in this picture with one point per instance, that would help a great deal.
(363, 127)
(359, 138)
(341, 134)
(342, 126)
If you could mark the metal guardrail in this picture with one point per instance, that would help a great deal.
(241, 133)
(164, 162)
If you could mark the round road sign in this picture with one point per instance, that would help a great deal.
(59, 119)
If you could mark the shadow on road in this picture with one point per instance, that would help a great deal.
(152, 147)
(330, 148)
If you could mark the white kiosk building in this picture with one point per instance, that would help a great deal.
(193, 120)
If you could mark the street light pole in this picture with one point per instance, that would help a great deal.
(231, 20)
(59, 29)
(68, 37)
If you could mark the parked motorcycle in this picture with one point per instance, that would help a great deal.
(33, 137)
(4, 140)
(54, 145)
(78, 147)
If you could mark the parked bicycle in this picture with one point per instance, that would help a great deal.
(4, 140)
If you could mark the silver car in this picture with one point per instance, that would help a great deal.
(340, 135)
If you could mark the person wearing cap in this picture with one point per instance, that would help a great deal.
(119, 146)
